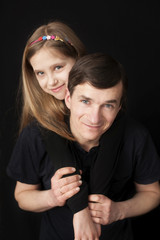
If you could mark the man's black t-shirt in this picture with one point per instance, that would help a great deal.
(139, 162)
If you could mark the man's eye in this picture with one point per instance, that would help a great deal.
(85, 101)
(109, 106)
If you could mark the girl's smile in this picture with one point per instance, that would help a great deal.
(51, 69)
(58, 88)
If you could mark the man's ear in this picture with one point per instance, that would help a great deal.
(120, 107)
(67, 99)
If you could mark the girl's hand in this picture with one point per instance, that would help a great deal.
(84, 228)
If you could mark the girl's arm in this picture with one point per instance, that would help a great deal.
(84, 227)
(32, 198)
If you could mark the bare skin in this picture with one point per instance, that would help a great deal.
(91, 231)
(104, 211)
(32, 198)
(52, 76)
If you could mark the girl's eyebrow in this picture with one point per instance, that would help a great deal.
(62, 63)
(36, 70)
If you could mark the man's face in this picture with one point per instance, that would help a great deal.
(92, 112)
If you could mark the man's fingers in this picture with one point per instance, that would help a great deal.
(63, 171)
(97, 220)
(94, 206)
(70, 179)
(96, 214)
(70, 186)
(96, 198)
(70, 193)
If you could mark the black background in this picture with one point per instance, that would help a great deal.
(129, 31)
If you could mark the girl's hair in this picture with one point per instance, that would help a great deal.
(99, 70)
(36, 104)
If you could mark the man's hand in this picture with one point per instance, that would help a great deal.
(103, 210)
(64, 188)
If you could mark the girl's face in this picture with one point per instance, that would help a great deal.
(52, 69)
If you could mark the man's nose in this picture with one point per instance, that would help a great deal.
(95, 115)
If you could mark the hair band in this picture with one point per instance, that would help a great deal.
(48, 37)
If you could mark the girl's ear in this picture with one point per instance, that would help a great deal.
(67, 99)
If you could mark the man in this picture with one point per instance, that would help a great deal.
(118, 189)
(96, 95)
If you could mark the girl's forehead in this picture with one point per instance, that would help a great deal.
(46, 55)
(50, 51)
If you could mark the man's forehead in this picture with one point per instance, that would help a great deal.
(88, 91)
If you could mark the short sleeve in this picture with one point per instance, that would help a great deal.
(26, 157)
(147, 168)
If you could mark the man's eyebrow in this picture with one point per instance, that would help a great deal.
(85, 97)
(111, 101)
(107, 101)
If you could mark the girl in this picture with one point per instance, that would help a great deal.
(48, 57)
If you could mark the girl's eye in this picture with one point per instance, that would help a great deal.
(58, 67)
(40, 73)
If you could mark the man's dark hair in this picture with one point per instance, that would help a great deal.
(99, 70)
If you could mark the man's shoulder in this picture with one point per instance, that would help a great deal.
(31, 131)
(135, 129)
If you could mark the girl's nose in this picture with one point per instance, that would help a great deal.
(52, 81)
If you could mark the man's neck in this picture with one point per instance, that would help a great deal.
(88, 145)
(84, 143)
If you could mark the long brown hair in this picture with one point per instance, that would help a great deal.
(36, 104)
